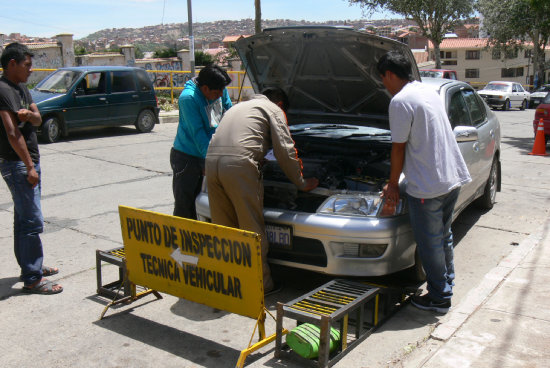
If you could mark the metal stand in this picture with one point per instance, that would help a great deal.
(335, 302)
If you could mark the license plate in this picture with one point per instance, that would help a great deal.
(279, 236)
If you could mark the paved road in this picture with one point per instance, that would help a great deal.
(89, 175)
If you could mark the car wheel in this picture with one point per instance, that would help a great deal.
(51, 130)
(145, 121)
(506, 105)
(416, 272)
(488, 199)
(523, 105)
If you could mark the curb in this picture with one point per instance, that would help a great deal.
(479, 295)
(169, 117)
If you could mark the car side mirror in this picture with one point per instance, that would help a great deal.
(465, 133)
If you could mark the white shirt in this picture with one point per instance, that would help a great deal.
(433, 163)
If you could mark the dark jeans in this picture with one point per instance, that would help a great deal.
(431, 221)
(27, 219)
(186, 182)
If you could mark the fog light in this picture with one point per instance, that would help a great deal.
(372, 250)
(357, 250)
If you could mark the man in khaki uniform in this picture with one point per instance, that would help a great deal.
(235, 189)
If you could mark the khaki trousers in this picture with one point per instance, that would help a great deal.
(235, 194)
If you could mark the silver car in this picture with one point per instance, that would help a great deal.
(339, 121)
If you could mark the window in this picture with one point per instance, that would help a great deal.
(473, 55)
(458, 112)
(447, 54)
(143, 80)
(123, 81)
(511, 72)
(475, 106)
(448, 62)
(496, 54)
(472, 73)
(511, 54)
(96, 83)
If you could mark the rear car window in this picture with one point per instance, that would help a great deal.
(123, 81)
(144, 82)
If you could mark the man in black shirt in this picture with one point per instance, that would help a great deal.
(20, 167)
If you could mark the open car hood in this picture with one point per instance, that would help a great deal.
(327, 72)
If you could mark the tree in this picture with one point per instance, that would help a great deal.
(165, 53)
(433, 17)
(511, 24)
(258, 17)
(202, 58)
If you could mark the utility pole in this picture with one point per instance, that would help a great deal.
(258, 18)
(191, 38)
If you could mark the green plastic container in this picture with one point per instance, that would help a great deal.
(304, 340)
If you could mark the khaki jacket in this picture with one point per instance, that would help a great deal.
(250, 129)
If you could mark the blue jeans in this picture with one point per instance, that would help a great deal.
(431, 223)
(27, 219)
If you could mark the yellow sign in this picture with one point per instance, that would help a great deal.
(209, 264)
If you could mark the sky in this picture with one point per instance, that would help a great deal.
(47, 18)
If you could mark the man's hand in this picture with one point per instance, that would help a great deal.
(311, 183)
(32, 177)
(31, 115)
(24, 115)
(390, 193)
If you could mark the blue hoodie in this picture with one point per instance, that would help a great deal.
(198, 119)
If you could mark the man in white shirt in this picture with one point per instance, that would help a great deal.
(425, 150)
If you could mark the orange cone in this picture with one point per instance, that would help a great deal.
(539, 148)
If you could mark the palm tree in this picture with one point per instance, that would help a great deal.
(258, 19)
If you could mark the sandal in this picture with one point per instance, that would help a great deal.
(44, 287)
(46, 271)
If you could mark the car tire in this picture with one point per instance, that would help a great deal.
(51, 130)
(488, 198)
(145, 122)
(523, 105)
(506, 105)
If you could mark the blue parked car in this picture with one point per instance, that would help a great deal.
(80, 97)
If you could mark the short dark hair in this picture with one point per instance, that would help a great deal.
(14, 51)
(276, 94)
(214, 77)
(397, 63)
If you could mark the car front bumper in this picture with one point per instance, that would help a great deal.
(328, 243)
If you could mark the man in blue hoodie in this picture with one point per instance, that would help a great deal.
(201, 106)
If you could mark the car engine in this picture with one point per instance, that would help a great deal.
(345, 173)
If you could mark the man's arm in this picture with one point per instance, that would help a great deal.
(32, 115)
(17, 141)
(391, 190)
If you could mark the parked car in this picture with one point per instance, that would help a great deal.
(338, 119)
(505, 95)
(80, 97)
(543, 112)
(439, 73)
(538, 95)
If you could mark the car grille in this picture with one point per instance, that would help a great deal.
(304, 250)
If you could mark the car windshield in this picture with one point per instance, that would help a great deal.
(546, 99)
(431, 74)
(543, 89)
(59, 81)
(497, 87)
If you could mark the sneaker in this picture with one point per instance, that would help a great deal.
(426, 303)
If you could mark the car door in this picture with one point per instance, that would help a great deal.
(459, 116)
(89, 105)
(485, 146)
(124, 101)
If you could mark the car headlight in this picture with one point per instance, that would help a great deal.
(370, 205)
